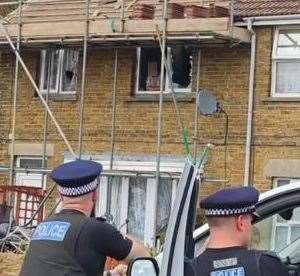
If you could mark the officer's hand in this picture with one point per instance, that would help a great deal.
(120, 270)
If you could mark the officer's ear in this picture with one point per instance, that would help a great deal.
(94, 196)
(240, 223)
(243, 222)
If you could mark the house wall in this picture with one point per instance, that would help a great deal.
(224, 70)
(276, 124)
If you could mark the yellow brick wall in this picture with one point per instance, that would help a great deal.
(224, 70)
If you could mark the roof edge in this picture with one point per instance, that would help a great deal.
(271, 20)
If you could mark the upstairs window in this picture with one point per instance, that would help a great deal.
(286, 63)
(63, 65)
(179, 59)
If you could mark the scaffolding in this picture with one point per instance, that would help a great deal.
(95, 25)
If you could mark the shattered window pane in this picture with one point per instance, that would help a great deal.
(179, 59)
(63, 70)
(69, 70)
(181, 66)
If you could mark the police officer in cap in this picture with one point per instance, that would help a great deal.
(71, 242)
(229, 214)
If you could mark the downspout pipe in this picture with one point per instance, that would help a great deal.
(250, 104)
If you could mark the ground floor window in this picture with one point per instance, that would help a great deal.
(29, 179)
(129, 203)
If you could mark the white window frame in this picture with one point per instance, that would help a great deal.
(288, 224)
(276, 59)
(58, 88)
(167, 89)
(19, 175)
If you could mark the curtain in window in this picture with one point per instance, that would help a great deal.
(115, 202)
(288, 80)
(137, 207)
(164, 204)
(54, 56)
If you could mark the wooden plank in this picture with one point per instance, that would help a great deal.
(197, 24)
(178, 25)
(107, 27)
(237, 34)
(59, 29)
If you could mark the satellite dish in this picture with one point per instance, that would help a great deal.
(207, 103)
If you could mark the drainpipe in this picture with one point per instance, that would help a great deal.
(250, 105)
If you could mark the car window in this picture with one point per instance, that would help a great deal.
(277, 231)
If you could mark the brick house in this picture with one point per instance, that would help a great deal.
(260, 145)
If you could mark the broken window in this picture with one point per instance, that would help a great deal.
(62, 66)
(179, 59)
(69, 66)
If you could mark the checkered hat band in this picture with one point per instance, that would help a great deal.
(230, 212)
(77, 191)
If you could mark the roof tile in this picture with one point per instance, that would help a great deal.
(246, 8)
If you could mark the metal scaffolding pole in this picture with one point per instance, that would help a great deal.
(113, 119)
(113, 127)
(168, 72)
(196, 105)
(127, 173)
(231, 11)
(122, 16)
(160, 107)
(16, 86)
(9, 3)
(83, 79)
(46, 121)
(4, 31)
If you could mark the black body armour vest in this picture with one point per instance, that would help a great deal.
(227, 262)
(52, 248)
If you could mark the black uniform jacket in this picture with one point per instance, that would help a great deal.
(70, 243)
(237, 261)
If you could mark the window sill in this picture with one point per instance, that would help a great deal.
(61, 97)
(148, 97)
(281, 99)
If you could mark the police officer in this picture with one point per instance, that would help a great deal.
(71, 242)
(229, 214)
